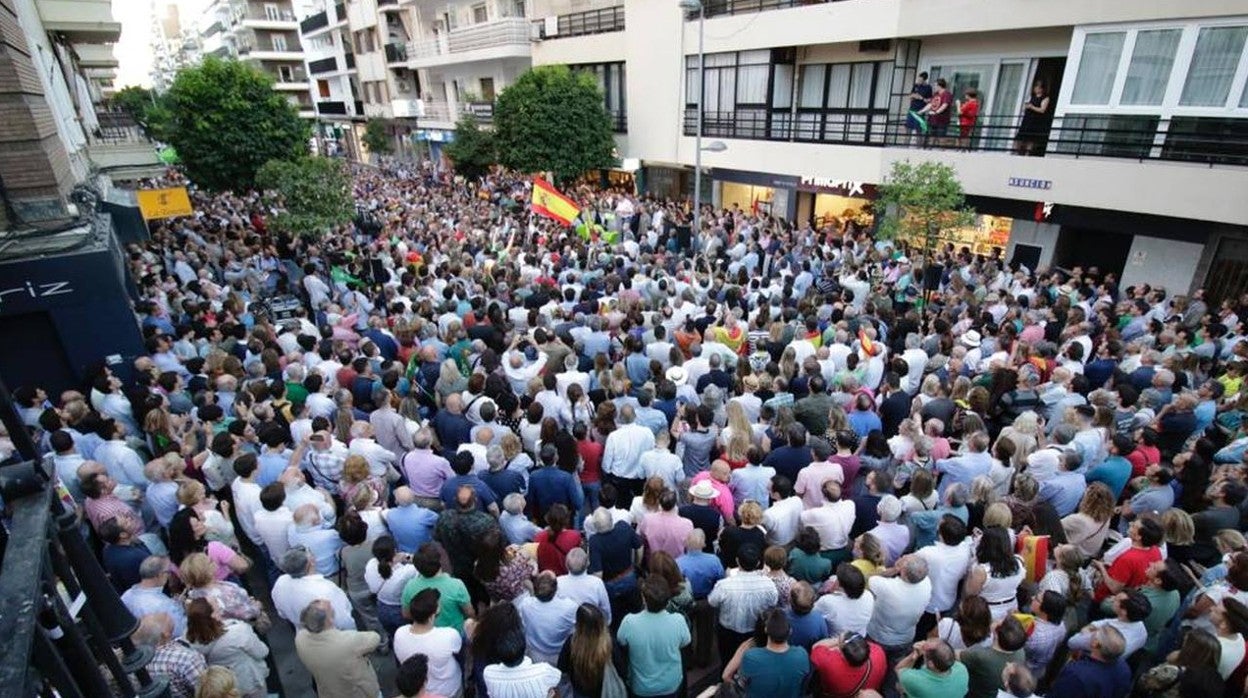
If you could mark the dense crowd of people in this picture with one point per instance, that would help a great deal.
(624, 458)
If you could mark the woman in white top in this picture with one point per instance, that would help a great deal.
(922, 496)
(970, 627)
(1225, 629)
(1087, 528)
(648, 502)
(386, 574)
(228, 643)
(996, 573)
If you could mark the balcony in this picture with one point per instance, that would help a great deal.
(315, 22)
(504, 38)
(324, 65)
(388, 6)
(119, 145)
(716, 8)
(396, 53)
(80, 21)
(1208, 141)
(96, 56)
(283, 19)
(407, 108)
(619, 121)
(603, 21)
(331, 108)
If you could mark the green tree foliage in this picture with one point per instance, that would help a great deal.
(227, 121)
(473, 151)
(921, 202)
(149, 110)
(552, 119)
(313, 192)
(377, 136)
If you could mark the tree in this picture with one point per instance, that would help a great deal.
(226, 121)
(149, 110)
(552, 119)
(377, 136)
(919, 203)
(314, 193)
(472, 152)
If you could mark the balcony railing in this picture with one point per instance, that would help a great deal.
(396, 53)
(311, 23)
(324, 65)
(117, 127)
(513, 31)
(262, 16)
(1208, 140)
(715, 8)
(332, 108)
(602, 21)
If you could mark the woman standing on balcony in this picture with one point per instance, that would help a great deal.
(1037, 117)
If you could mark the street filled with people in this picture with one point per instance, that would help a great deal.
(458, 449)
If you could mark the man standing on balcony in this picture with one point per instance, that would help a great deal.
(920, 95)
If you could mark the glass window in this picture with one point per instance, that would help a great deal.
(838, 86)
(1098, 67)
(860, 85)
(782, 89)
(883, 73)
(1149, 71)
(1213, 66)
(752, 84)
(810, 94)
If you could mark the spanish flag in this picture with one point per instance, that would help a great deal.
(547, 201)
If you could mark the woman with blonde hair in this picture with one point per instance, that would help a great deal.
(450, 381)
(1066, 577)
(868, 555)
(737, 437)
(193, 495)
(515, 456)
(788, 363)
(356, 475)
(229, 644)
(777, 434)
(1180, 535)
(198, 573)
(217, 682)
(1087, 528)
(1024, 433)
(983, 493)
(750, 532)
(929, 390)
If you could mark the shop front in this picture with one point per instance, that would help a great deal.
(430, 142)
(755, 192)
(665, 181)
(826, 202)
(622, 178)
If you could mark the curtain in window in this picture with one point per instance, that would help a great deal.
(1098, 67)
(860, 85)
(883, 84)
(782, 90)
(752, 84)
(838, 87)
(1213, 66)
(810, 94)
(1149, 71)
(727, 91)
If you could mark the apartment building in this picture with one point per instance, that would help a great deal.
(264, 33)
(1138, 166)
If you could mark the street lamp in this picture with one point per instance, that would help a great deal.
(696, 6)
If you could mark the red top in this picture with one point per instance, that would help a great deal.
(1130, 569)
(938, 99)
(969, 113)
(591, 458)
(1142, 457)
(838, 679)
(552, 555)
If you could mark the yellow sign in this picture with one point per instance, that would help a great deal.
(164, 203)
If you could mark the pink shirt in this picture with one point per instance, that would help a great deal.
(723, 500)
(810, 482)
(666, 531)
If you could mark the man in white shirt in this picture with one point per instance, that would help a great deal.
(660, 349)
(661, 462)
(1131, 607)
(899, 604)
(916, 362)
(381, 461)
(301, 585)
(832, 521)
(784, 517)
(519, 373)
(570, 375)
(740, 599)
(247, 495)
(698, 366)
(621, 456)
(948, 561)
(848, 607)
(122, 462)
(272, 521)
(581, 587)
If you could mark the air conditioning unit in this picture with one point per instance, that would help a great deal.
(550, 27)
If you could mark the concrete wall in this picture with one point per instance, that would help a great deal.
(1042, 235)
(1165, 263)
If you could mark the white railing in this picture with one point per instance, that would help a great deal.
(440, 111)
(512, 31)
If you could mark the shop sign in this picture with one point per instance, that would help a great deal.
(843, 187)
(758, 179)
(164, 203)
(1027, 183)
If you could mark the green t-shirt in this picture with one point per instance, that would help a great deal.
(812, 569)
(768, 674)
(983, 669)
(1165, 606)
(450, 605)
(922, 683)
(653, 641)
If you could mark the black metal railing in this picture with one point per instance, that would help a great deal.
(715, 8)
(324, 65)
(601, 21)
(117, 127)
(311, 23)
(1208, 140)
(396, 53)
(619, 121)
(332, 108)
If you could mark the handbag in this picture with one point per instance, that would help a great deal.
(612, 685)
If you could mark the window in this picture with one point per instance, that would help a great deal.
(843, 102)
(1149, 71)
(479, 14)
(272, 13)
(1214, 61)
(517, 8)
(610, 78)
(1098, 68)
(286, 73)
(279, 42)
(487, 89)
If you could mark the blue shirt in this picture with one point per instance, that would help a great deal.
(485, 495)
(653, 641)
(144, 600)
(637, 366)
(547, 624)
(504, 482)
(411, 525)
(774, 674)
(517, 528)
(863, 422)
(549, 486)
(1064, 490)
(702, 569)
(963, 469)
(806, 630)
(322, 543)
(1113, 472)
(270, 467)
(1088, 678)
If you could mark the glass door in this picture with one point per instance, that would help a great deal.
(997, 131)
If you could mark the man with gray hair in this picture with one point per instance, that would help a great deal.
(171, 658)
(301, 585)
(901, 596)
(426, 471)
(916, 362)
(390, 427)
(581, 587)
(894, 537)
(1101, 672)
(337, 659)
(621, 456)
(149, 597)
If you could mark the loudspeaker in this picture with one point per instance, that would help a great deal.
(931, 276)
